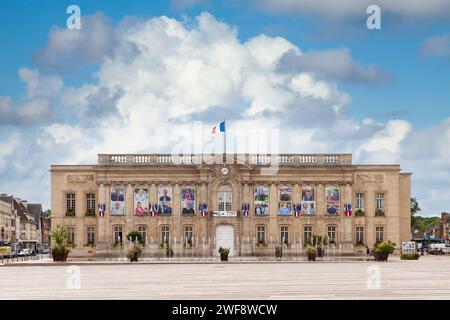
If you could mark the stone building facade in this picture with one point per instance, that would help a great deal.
(249, 203)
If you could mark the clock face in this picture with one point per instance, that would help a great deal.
(224, 171)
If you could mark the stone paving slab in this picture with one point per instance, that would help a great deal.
(427, 278)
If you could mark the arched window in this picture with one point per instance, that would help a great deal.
(308, 200)
(284, 200)
(261, 200)
(224, 198)
(332, 200)
(188, 198)
(117, 207)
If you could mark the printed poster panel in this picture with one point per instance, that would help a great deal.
(165, 199)
(284, 200)
(141, 200)
(332, 198)
(188, 200)
(117, 201)
(308, 201)
(262, 200)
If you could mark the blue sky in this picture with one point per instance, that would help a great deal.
(408, 95)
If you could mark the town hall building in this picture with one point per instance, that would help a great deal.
(249, 203)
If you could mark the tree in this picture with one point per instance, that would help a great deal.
(414, 209)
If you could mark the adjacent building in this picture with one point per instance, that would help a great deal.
(21, 222)
(248, 203)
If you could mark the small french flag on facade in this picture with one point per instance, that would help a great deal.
(101, 210)
(152, 210)
(347, 209)
(297, 209)
(220, 127)
(203, 209)
(245, 209)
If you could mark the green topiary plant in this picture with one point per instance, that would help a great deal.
(60, 244)
(133, 235)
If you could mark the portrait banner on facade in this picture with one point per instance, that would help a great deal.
(141, 200)
(117, 201)
(261, 200)
(165, 199)
(332, 200)
(187, 200)
(308, 201)
(284, 200)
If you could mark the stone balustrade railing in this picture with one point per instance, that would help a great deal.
(253, 159)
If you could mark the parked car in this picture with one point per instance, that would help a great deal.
(438, 249)
(24, 252)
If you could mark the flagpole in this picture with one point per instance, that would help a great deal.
(224, 139)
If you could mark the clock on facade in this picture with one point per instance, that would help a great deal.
(224, 171)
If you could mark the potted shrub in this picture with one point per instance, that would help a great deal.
(278, 251)
(134, 253)
(409, 256)
(169, 251)
(224, 252)
(359, 213)
(89, 213)
(311, 252)
(382, 250)
(134, 236)
(60, 244)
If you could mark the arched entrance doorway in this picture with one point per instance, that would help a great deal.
(225, 238)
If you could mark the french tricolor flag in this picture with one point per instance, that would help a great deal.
(220, 127)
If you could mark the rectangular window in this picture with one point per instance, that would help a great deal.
(307, 233)
(188, 235)
(359, 235)
(90, 202)
(118, 238)
(142, 230)
(379, 201)
(284, 234)
(165, 234)
(331, 232)
(379, 234)
(261, 234)
(90, 232)
(71, 234)
(70, 204)
(13, 222)
(360, 201)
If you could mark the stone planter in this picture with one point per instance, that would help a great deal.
(60, 256)
(311, 256)
(320, 252)
(224, 257)
(380, 256)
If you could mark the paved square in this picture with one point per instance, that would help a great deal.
(428, 278)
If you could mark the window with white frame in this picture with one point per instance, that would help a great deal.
(307, 233)
(70, 203)
(90, 235)
(71, 234)
(359, 235)
(90, 202)
(261, 234)
(331, 232)
(379, 234)
(142, 230)
(379, 201)
(284, 234)
(224, 198)
(188, 235)
(118, 235)
(165, 234)
(360, 201)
